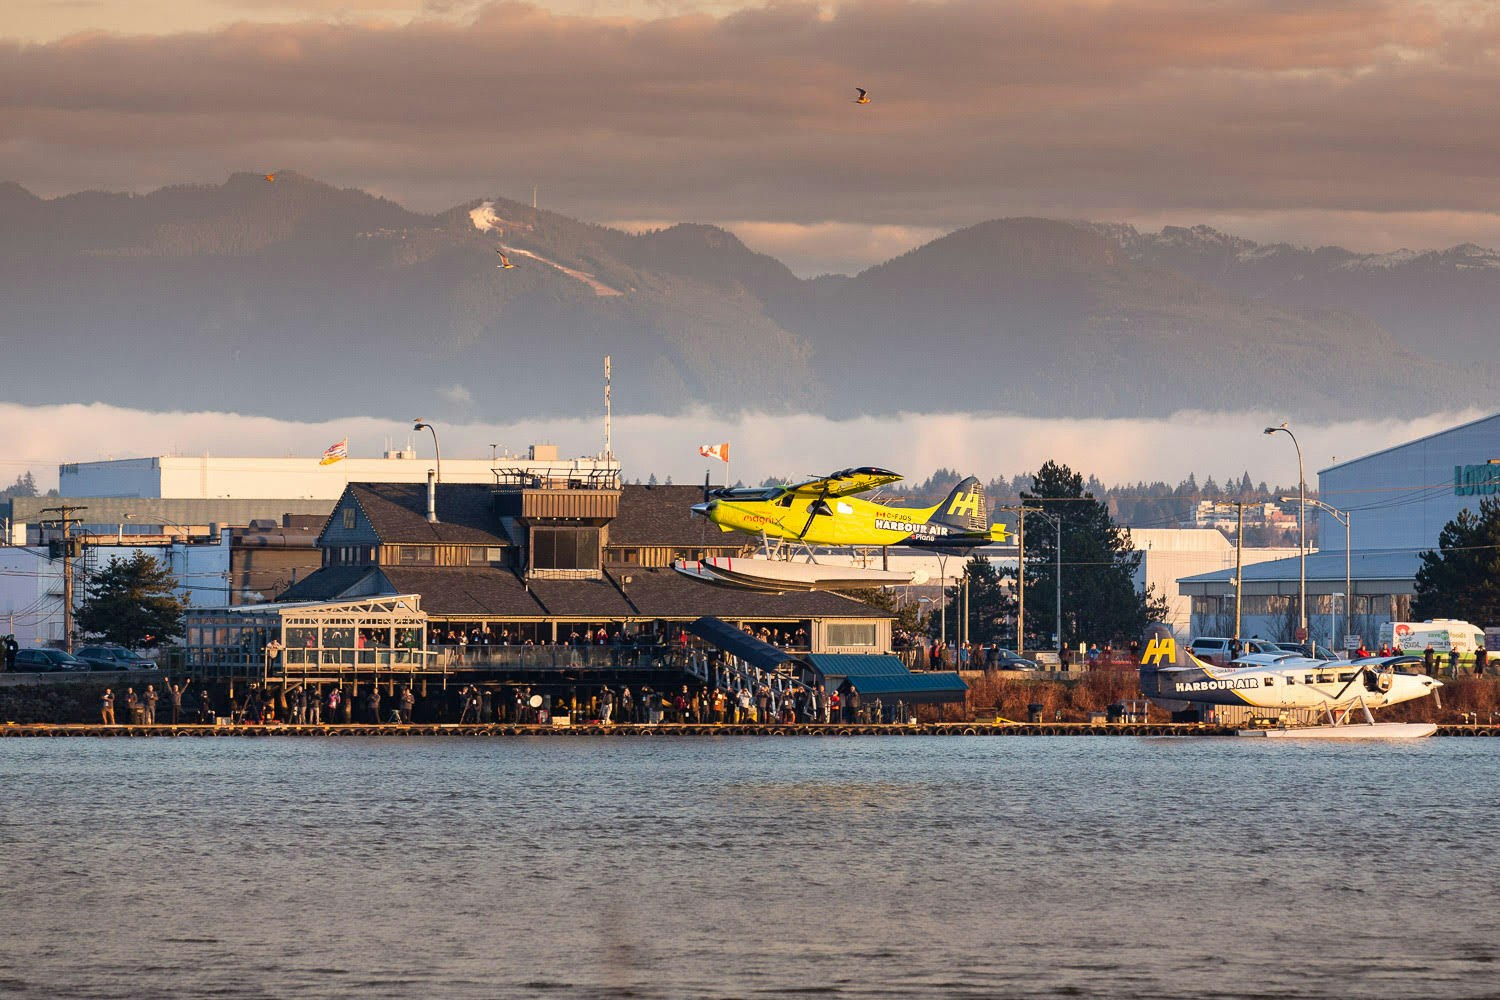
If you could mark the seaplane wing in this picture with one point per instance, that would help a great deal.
(845, 482)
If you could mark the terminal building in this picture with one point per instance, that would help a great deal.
(566, 585)
(1397, 502)
(232, 530)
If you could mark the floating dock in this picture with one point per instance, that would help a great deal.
(1169, 729)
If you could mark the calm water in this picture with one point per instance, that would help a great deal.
(747, 867)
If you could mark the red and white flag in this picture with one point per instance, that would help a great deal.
(719, 451)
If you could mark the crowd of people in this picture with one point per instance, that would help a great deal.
(267, 704)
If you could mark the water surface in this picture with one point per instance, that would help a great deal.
(744, 867)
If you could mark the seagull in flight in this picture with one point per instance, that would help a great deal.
(504, 260)
(863, 98)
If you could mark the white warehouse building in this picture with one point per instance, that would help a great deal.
(1397, 502)
(205, 477)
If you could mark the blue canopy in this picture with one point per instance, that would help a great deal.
(886, 677)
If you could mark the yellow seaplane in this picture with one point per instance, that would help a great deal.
(826, 512)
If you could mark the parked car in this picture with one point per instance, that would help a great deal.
(46, 661)
(1217, 650)
(1311, 650)
(1008, 659)
(111, 657)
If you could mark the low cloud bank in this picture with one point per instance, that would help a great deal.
(1117, 451)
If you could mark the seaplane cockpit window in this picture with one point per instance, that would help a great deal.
(1346, 677)
(1310, 679)
(753, 494)
(785, 501)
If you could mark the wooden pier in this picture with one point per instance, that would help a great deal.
(660, 730)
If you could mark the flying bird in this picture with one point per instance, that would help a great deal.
(863, 98)
(504, 260)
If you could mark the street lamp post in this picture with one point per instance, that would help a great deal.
(1342, 517)
(1301, 527)
(418, 424)
(1056, 520)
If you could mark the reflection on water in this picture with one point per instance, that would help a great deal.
(745, 867)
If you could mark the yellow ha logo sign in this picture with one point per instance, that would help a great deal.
(1160, 649)
(964, 504)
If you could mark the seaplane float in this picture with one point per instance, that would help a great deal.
(792, 519)
(1343, 692)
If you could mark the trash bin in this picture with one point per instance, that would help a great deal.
(1115, 713)
(1034, 712)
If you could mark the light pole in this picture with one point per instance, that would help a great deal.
(1056, 520)
(1342, 517)
(417, 424)
(1301, 528)
(943, 608)
(927, 600)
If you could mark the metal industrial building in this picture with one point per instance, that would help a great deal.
(1397, 502)
(207, 477)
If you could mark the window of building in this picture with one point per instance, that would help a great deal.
(484, 555)
(349, 518)
(565, 548)
(851, 634)
(416, 555)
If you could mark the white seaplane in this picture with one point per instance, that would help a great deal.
(1172, 677)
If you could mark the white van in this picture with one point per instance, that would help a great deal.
(1442, 634)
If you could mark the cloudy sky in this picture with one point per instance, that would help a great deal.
(761, 445)
(1362, 122)
(1368, 123)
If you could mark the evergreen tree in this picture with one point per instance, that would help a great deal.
(131, 603)
(1099, 599)
(24, 486)
(990, 605)
(651, 479)
(1461, 579)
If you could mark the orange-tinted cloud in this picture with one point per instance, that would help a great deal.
(1098, 108)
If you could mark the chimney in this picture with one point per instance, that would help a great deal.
(431, 497)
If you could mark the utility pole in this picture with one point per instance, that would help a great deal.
(65, 520)
(1021, 511)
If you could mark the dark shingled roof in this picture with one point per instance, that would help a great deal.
(662, 515)
(398, 513)
(595, 598)
(665, 593)
(325, 584)
(473, 590)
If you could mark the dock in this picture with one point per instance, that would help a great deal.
(631, 730)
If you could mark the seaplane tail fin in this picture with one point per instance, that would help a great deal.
(1159, 651)
(964, 510)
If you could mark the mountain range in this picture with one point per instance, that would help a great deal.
(296, 299)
